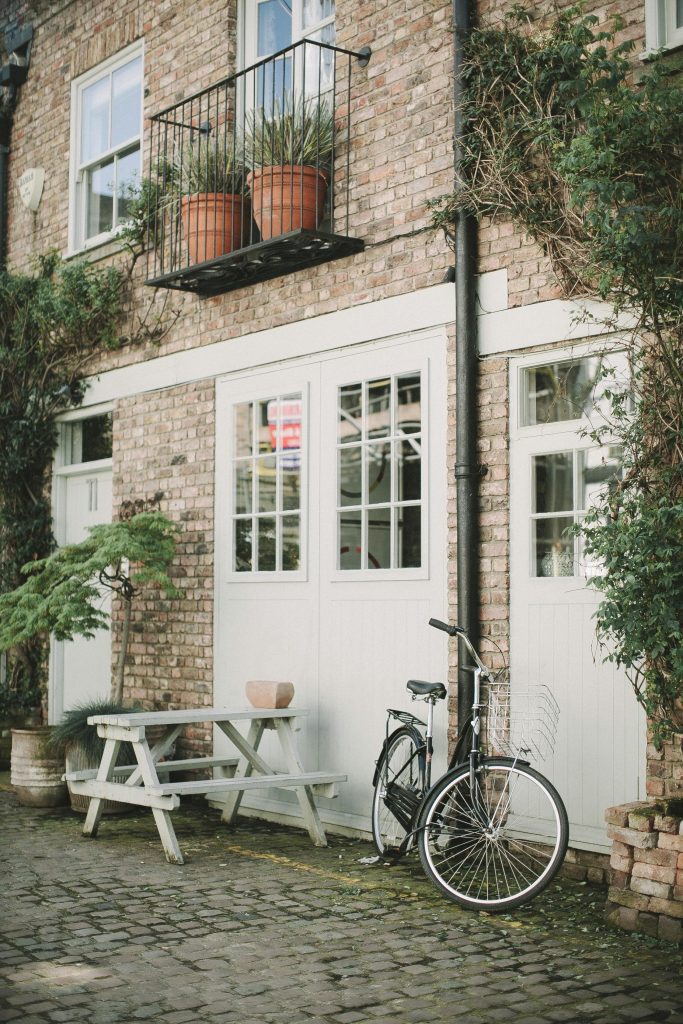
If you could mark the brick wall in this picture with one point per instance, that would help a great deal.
(646, 891)
(164, 444)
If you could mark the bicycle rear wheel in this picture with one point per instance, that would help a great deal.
(495, 845)
(399, 787)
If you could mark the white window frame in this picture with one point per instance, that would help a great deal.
(568, 435)
(661, 31)
(247, 35)
(77, 198)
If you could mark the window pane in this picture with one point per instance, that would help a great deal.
(243, 553)
(408, 414)
(290, 482)
(379, 408)
(553, 482)
(408, 454)
(349, 533)
(125, 102)
(560, 391)
(350, 413)
(274, 27)
(95, 120)
(244, 428)
(379, 538)
(127, 182)
(378, 473)
(289, 431)
(291, 542)
(266, 440)
(100, 200)
(88, 440)
(315, 11)
(350, 463)
(243, 487)
(599, 468)
(553, 548)
(265, 542)
(409, 537)
(96, 434)
(265, 484)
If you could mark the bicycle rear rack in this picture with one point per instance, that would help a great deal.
(406, 718)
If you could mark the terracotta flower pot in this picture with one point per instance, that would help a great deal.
(213, 224)
(287, 198)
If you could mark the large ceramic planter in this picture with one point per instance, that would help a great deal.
(287, 198)
(213, 225)
(15, 720)
(36, 774)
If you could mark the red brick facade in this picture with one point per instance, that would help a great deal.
(401, 157)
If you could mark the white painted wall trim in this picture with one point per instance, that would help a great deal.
(501, 331)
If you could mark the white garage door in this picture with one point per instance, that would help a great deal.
(330, 552)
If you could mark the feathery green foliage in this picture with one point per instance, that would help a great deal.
(300, 132)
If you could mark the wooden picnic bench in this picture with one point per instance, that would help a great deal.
(149, 783)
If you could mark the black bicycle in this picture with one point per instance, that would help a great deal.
(492, 832)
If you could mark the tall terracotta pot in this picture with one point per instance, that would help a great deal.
(36, 772)
(213, 224)
(286, 198)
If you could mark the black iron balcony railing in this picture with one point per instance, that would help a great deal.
(250, 177)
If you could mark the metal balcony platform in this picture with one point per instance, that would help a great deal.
(285, 254)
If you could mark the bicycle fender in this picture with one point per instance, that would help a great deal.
(404, 728)
(456, 769)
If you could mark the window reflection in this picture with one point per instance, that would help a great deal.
(379, 473)
(266, 474)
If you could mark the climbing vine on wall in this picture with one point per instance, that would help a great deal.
(51, 324)
(584, 151)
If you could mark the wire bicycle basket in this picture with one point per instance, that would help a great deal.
(520, 722)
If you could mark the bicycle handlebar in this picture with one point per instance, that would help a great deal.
(451, 630)
(459, 631)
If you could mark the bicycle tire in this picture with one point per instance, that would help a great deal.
(399, 788)
(496, 850)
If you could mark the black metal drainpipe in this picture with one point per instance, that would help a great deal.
(13, 74)
(467, 469)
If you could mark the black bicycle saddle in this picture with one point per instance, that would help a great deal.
(422, 689)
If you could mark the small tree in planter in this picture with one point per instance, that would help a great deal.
(290, 152)
(62, 594)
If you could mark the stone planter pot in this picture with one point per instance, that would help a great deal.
(36, 775)
(19, 720)
(262, 693)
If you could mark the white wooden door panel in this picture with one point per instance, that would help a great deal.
(80, 669)
(347, 638)
(599, 755)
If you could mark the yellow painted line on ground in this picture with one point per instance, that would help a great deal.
(336, 876)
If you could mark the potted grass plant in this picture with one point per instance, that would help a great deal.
(208, 176)
(289, 152)
(62, 596)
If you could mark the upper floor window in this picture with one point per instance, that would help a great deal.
(272, 25)
(663, 24)
(106, 119)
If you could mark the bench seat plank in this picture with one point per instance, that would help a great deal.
(249, 782)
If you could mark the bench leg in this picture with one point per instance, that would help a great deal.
(105, 773)
(167, 836)
(245, 765)
(303, 793)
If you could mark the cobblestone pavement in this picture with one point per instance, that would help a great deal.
(259, 926)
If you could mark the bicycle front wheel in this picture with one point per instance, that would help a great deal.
(496, 844)
(399, 787)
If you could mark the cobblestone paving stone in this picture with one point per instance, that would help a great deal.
(260, 927)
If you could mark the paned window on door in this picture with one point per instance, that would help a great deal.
(379, 473)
